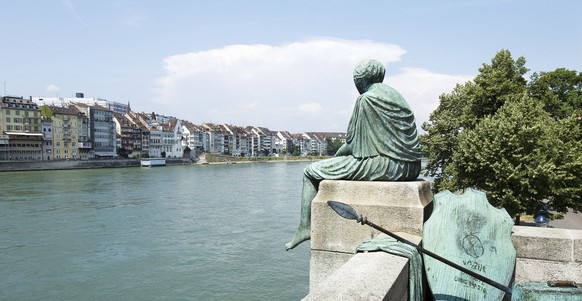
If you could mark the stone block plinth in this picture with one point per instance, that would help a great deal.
(396, 206)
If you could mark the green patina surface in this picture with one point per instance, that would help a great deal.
(468, 231)
(415, 267)
(381, 144)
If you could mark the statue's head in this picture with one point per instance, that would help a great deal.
(368, 72)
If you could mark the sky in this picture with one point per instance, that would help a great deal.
(283, 65)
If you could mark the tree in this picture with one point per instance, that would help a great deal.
(296, 151)
(46, 112)
(517, 141)
(466, 106)
(333, 144)
(560, 91)
(522, 158)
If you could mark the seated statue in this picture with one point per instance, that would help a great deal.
(381, 144)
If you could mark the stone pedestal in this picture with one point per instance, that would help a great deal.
(396, 206)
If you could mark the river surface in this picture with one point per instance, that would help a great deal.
(211, 232)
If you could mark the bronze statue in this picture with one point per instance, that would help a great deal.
(381, 145)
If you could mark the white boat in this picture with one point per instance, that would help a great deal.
(152, 162)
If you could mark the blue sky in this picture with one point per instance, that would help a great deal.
(285, 65)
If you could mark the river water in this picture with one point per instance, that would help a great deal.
(211, 232)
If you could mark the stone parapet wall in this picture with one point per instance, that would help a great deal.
(397, 206)
(545, 254)
(366, 277)
(337, 274)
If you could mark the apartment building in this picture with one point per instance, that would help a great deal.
(193, 138)
(283, 142)
(141, 134)
(172, 138)
(20, 129)
(47, 137)
(124, 130)
(69, 128)
(101, 129)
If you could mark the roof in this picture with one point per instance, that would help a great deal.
(64, 110)
(18, 103)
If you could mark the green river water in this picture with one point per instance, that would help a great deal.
(211, 232)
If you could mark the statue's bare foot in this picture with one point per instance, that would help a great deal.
(300, 236)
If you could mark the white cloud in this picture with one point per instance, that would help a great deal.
(311, 108)
(281, 87)
(422, 88)
(52, 88)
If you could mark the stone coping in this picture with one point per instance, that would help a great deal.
(364, 276)
(542, 254)
(551, 244)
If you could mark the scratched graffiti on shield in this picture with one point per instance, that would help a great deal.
(467, 230)
(470, 223)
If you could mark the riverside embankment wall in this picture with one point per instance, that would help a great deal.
(79, 164)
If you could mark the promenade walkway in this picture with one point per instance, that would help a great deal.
(570, 221)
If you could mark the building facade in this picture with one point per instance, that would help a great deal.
(20, 129)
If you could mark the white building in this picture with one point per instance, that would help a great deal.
(80, 98)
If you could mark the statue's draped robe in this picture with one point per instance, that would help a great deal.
(382, 141)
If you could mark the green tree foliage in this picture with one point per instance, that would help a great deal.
(46, 112)
(296, 150)
(333, 144)
(466, 106)
(560, 91)
(519, 157)
(517, 141)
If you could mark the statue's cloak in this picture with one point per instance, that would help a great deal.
(383, 124)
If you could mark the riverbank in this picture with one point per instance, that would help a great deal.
(206, 158)
(6, 166)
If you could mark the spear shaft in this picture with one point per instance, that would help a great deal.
(346, 211)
